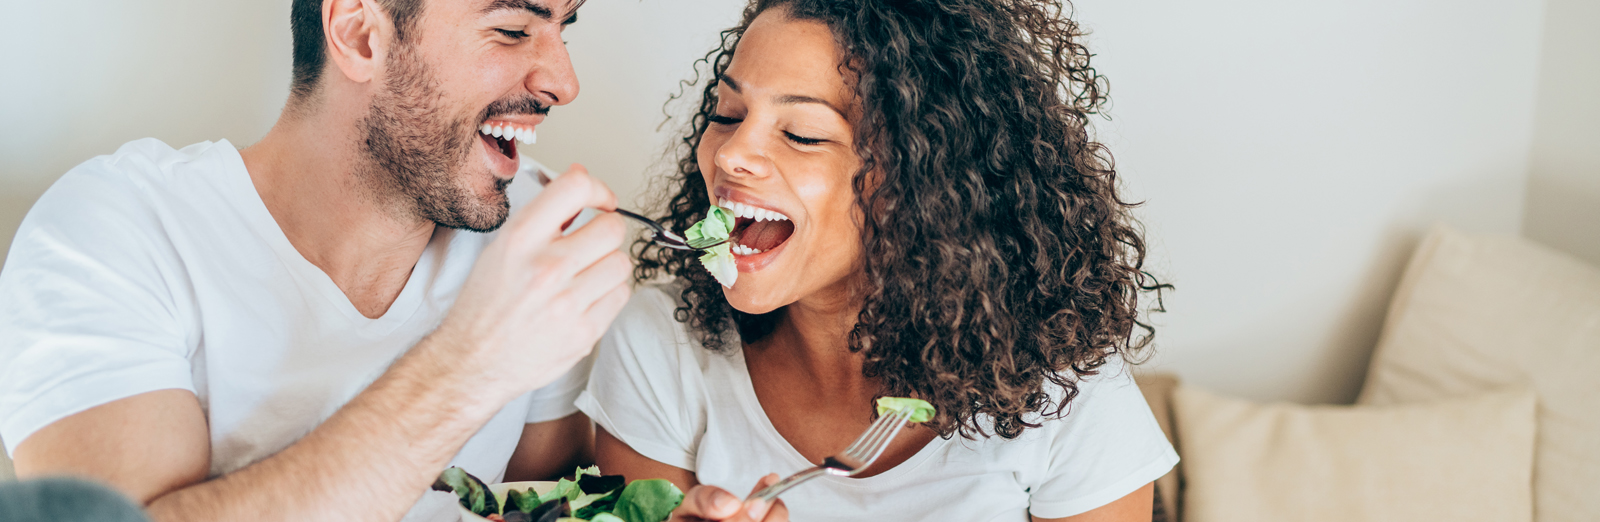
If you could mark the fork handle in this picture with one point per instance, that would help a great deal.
(770, 493)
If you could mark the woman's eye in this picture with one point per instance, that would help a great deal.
(803, 140)
(722, 120)
(515, 35)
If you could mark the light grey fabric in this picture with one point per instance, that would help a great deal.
(59, 499)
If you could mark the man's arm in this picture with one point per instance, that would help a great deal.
(369, 461)
(375, 456)
(144, 445)
(552, 449)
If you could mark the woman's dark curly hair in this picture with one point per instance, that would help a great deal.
(998, 254)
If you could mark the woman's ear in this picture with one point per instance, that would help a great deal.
(358, 34)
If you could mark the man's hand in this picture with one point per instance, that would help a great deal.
(538, 300)
(708, 503)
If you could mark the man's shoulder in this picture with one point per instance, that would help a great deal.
(112, 181)
(111, 206)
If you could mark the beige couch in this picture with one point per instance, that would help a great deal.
(1472, 316)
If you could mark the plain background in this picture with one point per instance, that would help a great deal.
(1290, 154)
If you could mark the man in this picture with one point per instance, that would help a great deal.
(317, 325)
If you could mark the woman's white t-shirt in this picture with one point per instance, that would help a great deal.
(657, 389)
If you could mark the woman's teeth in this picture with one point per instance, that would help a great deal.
(510, 132)
(742, 250)
(749, 212)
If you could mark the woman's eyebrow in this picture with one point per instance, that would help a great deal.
(787, 99)
(792, 99)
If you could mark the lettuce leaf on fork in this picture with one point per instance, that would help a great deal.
(716, 227)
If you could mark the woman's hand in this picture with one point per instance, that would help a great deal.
(709, 503)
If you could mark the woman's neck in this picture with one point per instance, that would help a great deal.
(814, 336)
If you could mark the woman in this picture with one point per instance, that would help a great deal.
(924, 215)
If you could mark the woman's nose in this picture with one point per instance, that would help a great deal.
(743, 154)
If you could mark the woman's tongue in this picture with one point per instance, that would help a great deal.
(765, 235)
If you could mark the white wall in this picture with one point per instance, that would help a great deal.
(1291, 152)
(1564, 185)
(78, 79)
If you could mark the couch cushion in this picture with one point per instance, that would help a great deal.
(1478, 313)
(1459, 460)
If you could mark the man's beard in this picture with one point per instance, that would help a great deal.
(417, 153)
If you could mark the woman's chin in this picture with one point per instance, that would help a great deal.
(750, 296)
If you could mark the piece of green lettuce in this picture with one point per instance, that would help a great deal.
(716, 227)
(473, 493)
(921, 411)
(648, 501)
(718, 260)
(590, 497)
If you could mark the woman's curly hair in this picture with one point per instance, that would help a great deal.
(998, 254)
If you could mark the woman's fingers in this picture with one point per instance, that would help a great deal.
(762, 510)
(777, 513)
(707, 503)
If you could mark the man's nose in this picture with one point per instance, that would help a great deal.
(552, 79)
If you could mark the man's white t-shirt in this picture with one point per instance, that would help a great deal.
(657, 389)
(155, 268)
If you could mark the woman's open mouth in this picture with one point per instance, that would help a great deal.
(758, 233)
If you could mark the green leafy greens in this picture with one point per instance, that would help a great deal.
(715, 228)
(475, 495)
(588, 496)
(921, 411)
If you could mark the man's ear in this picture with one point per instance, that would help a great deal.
(358, 34)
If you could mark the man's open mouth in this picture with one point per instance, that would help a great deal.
(756, 230)
(502, 136)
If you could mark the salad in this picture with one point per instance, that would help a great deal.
(921, 411)
(589, 496)
(716, 227)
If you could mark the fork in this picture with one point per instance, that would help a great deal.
(859, 456)
(662, 235)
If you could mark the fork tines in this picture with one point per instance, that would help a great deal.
(871, 444)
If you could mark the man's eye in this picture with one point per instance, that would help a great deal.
(516, 35)
(803, 140)
(722, 120)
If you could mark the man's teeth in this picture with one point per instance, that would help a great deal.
(744, 250)
(525, 135)
(747, 211)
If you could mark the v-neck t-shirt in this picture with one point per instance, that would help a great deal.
(154, 268)
(659, 391)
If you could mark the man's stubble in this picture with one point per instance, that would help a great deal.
(417, 154)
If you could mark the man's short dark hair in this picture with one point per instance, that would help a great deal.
(305, 22)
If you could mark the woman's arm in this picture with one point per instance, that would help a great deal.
(616, 458)
(552, 449)
(1135, 507)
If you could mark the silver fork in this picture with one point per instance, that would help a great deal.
(859, 456)
(663, 236)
